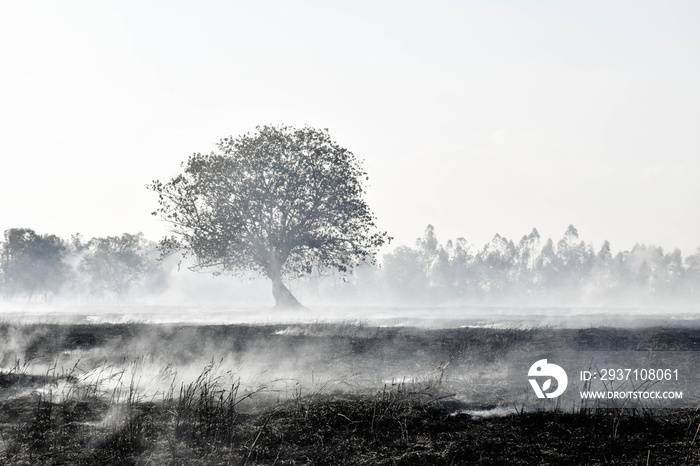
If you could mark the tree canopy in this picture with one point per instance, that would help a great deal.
(32, 264)
(279, 202)
(568, 269)
(114, 264)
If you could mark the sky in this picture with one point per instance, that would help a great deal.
(478, 117)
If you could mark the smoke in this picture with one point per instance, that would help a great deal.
(147, 362)
(438, 319)
(124, 272)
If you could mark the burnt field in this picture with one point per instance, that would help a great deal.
(334, 393)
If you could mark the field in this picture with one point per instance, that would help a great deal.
(320, 392)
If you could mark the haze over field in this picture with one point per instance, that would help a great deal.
(433, 282)
(477, 117)
(457, 208)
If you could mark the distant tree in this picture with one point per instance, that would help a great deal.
(405, 274)
(602, 279)
(547, 268)
(114, 264)
(428, 243)
(32, 265)
(642, 275)
(462, 268)
(575, 258)
(692, 275)
(280, 201)
(604, 256)
(76, 243)
(439, 274)
(496, 261)
(526, 259)
(620, 269)
(674, 272)
(435, 263)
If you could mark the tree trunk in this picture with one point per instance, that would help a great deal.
(284, 299)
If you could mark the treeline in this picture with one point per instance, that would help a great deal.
(38, 267)
(42, 267)
(535, 267)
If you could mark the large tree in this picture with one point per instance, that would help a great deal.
(279, 201)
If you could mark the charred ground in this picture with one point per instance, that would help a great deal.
(313, 394)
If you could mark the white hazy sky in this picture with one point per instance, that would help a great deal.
(479, 117)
